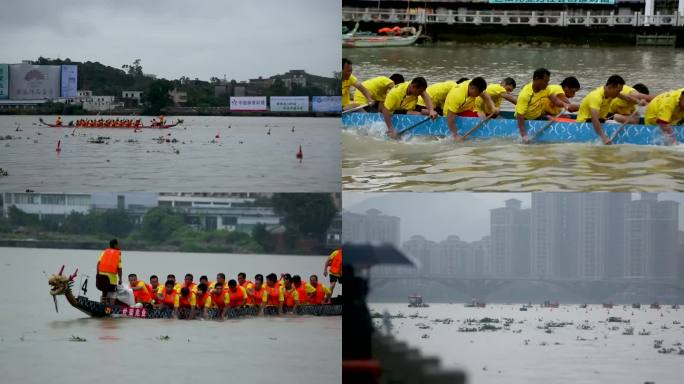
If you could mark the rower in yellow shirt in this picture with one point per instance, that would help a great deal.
(497, 92)
(403, 99)
(624, 110)
(348, 81)
(461, 102)
(666, 110)
(560, 95)
(530, 105)
(596, 105)
(378, 88)
(438, 93)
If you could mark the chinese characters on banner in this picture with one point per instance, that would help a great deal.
(248, 103)
(34, 82)
(289, 103)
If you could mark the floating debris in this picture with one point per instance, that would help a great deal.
(3, 172)
(164, 337)
(425, 336)
(77, 339)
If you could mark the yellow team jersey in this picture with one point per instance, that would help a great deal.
(596, 99)
(458, 101)
(378, 88)
(113, 277)
(549, 106)
(665, 107)
(346, 95)
(495, 91)
(398, 99)
(438, 93)
(623, 107)
(531, 104)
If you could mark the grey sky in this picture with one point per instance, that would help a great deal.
(242, 39)
(438, 215)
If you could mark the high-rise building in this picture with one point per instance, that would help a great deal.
(651, 230)
(453, 254)
(426, 252)
(510, 240)
(372, 227)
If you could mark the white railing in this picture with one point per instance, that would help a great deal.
(498, 17)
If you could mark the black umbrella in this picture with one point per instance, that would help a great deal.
(367, 255)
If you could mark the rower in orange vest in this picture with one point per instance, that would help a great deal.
(141, 291)
(58, 121)
(220, 278)
(273, 295)
(109, 272)
(256, 293)
(218, 300)
(155, 288)
(189, 283)
(205, 280)
(168, 298)
(243, 282)
(317, 292)
(301, 290)
(334, 264)
(201, 297)
(237, 296)
(290, 293)
(176, 285)
(187, 303)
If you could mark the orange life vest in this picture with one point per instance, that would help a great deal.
(336, 263)
(256, 298)
(109, 262)
(246, 284)
(184, 301)
(169, 298)
(201, 300)
(236, 297)
(318, 296)
(219, 300)
(289, 296)
(272, 295)
(142, 295)
(302, 293)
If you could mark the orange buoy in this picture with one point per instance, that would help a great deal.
(300, 154)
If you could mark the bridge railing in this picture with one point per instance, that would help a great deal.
(501, 17)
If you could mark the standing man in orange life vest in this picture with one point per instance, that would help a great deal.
(334, 264)
(109, 272)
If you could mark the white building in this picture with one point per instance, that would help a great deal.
(101, 103)
(132, 95)
(373, 227)
(47, 205)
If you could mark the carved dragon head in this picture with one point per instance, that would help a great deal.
(60, 283)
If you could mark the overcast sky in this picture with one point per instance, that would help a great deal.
(241, 39)
(436, 216)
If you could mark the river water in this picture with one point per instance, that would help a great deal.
(527, 354)
(372, 163)
(35, 344)
(244, 157)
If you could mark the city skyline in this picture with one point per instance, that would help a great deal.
(176, 39)
(423, 214)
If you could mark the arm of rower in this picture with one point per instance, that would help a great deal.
(558, 101)
(597, 126)
(365, 92)
(521, 126)
(490, 103)
(428, 104)
(325, 267)
(451, 122)
(510, 98)
(388, 121)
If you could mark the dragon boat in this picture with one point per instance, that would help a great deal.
(72, 124)
(62, 285)
(556, 132)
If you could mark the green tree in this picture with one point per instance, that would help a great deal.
(159, 223)
(157, 96)
(262, 236)
(278, 88)
(305, 213)
(19, 218)
(134, 69)
(116, 222)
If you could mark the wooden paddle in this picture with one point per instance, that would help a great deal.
(356, 108)
(413, 126)
(473, 129)
(542, 129)
(617, 131)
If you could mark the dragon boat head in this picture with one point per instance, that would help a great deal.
(60, 284)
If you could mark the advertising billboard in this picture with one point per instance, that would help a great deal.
(4, 81)
(34, 82)
(289, 103)
(69, 85)
(326, 103)
(248, 103)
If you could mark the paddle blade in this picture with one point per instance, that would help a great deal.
(54, 298)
